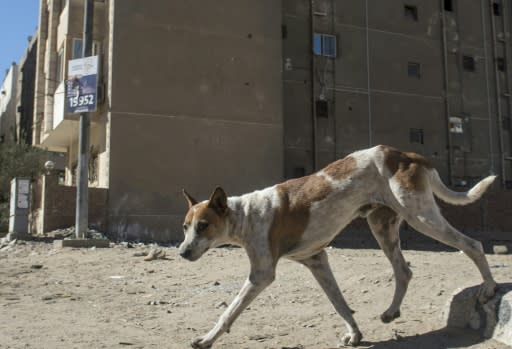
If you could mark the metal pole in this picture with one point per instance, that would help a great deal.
(82, 188)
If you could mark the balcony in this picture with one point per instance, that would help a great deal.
(65, 128)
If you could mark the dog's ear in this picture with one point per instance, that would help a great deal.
(191, 201)
(218, 201)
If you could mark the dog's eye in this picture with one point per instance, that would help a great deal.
(201, 226)
(185, 227)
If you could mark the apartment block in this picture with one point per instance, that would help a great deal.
(428, 76)
(191, 99)
(245, 94)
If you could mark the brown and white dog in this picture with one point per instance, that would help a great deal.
(297, 219)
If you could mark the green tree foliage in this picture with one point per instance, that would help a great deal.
(17, 160)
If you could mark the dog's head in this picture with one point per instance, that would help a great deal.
(205, 224)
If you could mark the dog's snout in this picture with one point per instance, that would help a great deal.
(186, 254)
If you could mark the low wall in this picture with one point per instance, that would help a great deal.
(54, 206)
(488, 220)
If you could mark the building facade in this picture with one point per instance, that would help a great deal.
(428, 76)
(26, 92)
(190, 101)
(8, 105)
(245, 94)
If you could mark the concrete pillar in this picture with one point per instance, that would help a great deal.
(51, 64)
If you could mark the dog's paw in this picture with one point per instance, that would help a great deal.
(387, 317)
(352, 339)
(487, 291)
(200, 343)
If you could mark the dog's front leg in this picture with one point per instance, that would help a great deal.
(257, 281)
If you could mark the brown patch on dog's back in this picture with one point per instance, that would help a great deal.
(341, 169)
(292, 216)
(406, 167)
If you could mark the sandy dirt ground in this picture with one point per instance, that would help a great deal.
(112, 298)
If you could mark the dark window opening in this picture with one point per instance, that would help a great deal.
(299, 172)
(448, 5)
(414, 70)
(416, 135)
(322, 109)
(496, 8)
(411, 12)
(468, 63)
(505, 124)
(500, 62)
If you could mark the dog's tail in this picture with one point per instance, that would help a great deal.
(458, 198)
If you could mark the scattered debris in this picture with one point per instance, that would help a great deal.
(261, 338)
(221, 305)
(502, 265)
(155, 253)
(500, 249)
(36, 266)
(65, 233)
(216, 283)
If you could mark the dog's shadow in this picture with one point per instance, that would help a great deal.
(439, 339)
(444, 338)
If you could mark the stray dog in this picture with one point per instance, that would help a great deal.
(297, 219)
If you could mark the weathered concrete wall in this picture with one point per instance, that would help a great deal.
(203, 109)
(56, 208)
(487, 220)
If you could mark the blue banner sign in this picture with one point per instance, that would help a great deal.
(81, 85)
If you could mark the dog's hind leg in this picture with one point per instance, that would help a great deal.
(260, 277)
(385, 224)
(319, 267)
(431, 223)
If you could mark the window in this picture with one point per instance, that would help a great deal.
(416, 135)
(411, 12)
(284, 31)
(456, 125)
(78, 48)
(500, 61)
(496, 8)
(468, 63)
(448, 5)
(322, 109)
(414, 70)
(505, 123)
(324, 45)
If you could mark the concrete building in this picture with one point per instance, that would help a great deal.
(428, 76)
(189, 101)
(8, 105)
(26, 92)
(244, 94)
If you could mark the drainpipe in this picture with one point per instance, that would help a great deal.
(333, 69)
(370, 118)
(498, 94)
(492, 168)
(507, 55)
(446, 86)
(312, 77)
